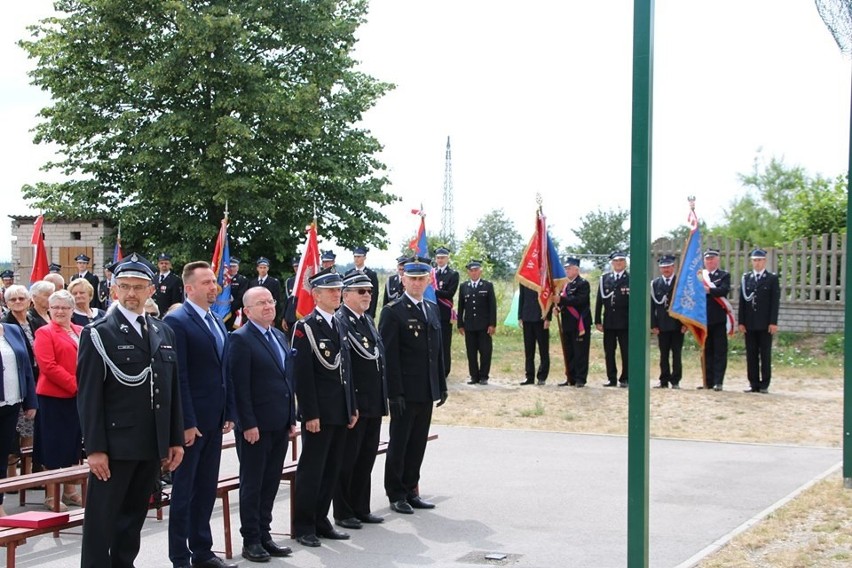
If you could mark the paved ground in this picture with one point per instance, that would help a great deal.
(544, 499)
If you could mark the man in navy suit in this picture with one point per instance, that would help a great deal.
(260, 366)
(207, 398)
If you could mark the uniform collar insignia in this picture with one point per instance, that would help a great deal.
(123, 327)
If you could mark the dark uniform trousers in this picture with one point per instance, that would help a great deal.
(576, 351)
(322, 451)
(758, 358)
(352, 498)
(447, 345)
(406, 449)
(671, 347)
(536, 336)
(611, 338)
(260, 474)
(479, 346)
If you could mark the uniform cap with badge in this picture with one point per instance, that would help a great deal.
(53, 267)
(571, 261)
(295, 260)
(357, 280)
(417, 266)
(133, 266)
(442, 251)
(618, 255)
(262, 260)
(711, 252)
(234, 261)
(328, 256)
(7, 274)
(326, 278)
(666, 260)
(360, 251)
(401, 260)
(758, 253)
(82, 258)
(474, 263)
(164, 256)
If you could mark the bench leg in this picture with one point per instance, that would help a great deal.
(11, 550)
(226, 520)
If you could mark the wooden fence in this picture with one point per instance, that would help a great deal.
(812, 272)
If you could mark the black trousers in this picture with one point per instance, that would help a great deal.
(576, 351)
(316, 478)
(115, 513)
(536, 336)
(406, 448)
(352, 497)
(8, 433)
(759, 358)
(716, 354)
(260, 476)
(610, 339)
(479, 348)
(671, 345)
(447, 344)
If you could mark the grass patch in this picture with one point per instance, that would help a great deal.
(537, 410)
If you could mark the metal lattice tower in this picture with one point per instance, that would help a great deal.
(448, 232)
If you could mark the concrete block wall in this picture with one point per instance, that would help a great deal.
(811, 317)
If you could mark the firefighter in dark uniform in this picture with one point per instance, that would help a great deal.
(83, 272)
(270, 283)
(239, 285)
(290, 297)
(668, 330)
(352, 496)
(327, 260)
(447, 281)
(359, 256)
(130, 432)
(611, 317)
(760, 298)
(717, 285)
(394, 287)
(168, 287)
(477, 322)
(54, 268)
(411, 332)
(105, 286)
(327, 408)
(575, 310)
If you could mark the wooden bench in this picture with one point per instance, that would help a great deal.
(50, 477)
(12, 537)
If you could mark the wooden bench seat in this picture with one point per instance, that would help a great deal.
(12, 537)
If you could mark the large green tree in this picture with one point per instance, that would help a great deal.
(166, 110)
(602, 232)
(783, 203)
(496, 233)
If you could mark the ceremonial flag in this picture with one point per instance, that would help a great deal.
(420, 247)
(540, 268)
(220, 264)
(116, 252)
(308, 266)
(40, 268)
(689, 302)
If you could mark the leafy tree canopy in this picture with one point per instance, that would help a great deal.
(501, 241)
(166, 110)
(601, 232)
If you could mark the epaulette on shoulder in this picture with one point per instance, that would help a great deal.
(392, 303)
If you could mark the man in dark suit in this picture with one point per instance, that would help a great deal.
(359, 257)
(260, 365)
(760, 298)
(270, 283)
(327, 408)
(447, 281)
(668, 330)
(613, 303)
(207, 397)
(477, 322)
(352, 496)
(168, 288)
(239, 283)
(717, 286)
(83, 272)
(393, 287)
(411, 333)
(536, 333)
(130, 432)
(575, 311)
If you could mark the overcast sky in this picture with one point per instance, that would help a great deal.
(536, 98)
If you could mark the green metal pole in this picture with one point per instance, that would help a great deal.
(847, 334)
(640, 303)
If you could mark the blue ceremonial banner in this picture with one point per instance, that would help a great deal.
(220, 265)
(689, 303)
(420, 247)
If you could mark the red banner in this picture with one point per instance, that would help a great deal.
(308, 266)
(40, 268)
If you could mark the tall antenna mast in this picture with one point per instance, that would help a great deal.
(448, 232)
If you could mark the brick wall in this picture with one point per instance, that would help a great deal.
(811, 317)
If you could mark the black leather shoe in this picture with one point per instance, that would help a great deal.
(483, 382)
(350, 523)
(214, 562)
(622, 385)
(677, 386)
(333, 534)
(565, 384)
(275, 550)
(528, 382)
(764, 391)
(371, 519)
(255, 553)
(660, 386)
(717, 388)
(419, 503)
(472, 382)
(402, 506)
(540, 382)
(751, 390)
(308, 540)
(610, 384)
(579, 385)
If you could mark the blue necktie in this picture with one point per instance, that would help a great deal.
(274, 344)
(211, 323)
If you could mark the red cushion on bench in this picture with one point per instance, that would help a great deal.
(34, 519)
